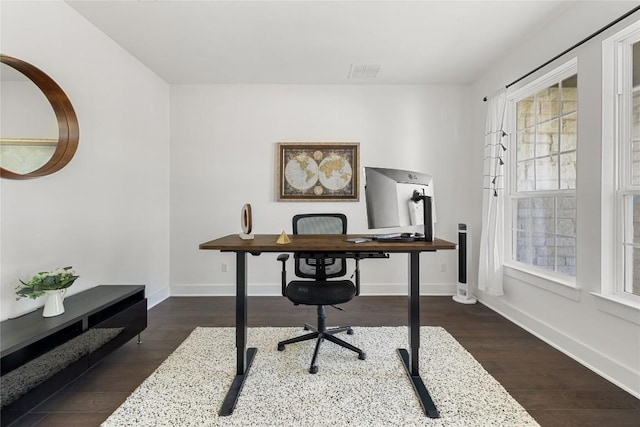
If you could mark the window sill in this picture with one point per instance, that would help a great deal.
(618, 306)
(548, 282)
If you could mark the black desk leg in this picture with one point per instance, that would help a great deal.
(244, 356)
(411, 362)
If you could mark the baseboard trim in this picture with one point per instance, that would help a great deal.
(272, 289)
(158, 296)
(587, 356)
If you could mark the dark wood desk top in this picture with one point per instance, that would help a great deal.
(325, 242)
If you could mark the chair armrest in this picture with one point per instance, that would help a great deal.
(283, 258)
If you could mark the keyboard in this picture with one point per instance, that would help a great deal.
(387, 236)
(398, 237)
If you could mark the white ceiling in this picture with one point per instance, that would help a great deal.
(317, 42)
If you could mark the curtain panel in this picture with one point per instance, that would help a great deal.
(490, 271)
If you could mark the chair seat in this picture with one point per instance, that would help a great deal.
(320, 293)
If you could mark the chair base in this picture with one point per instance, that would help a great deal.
(320, 334)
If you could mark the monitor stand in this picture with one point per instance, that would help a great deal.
(428, 215)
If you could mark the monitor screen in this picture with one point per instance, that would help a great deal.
(391, 197)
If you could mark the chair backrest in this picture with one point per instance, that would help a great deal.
(322, 223)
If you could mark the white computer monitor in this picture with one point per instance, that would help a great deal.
(396, 198)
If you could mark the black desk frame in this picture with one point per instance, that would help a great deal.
(410, 358)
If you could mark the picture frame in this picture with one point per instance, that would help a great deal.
(318, 171)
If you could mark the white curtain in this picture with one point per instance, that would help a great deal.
(492, 237)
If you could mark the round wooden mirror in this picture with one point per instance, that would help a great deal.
(46, 154)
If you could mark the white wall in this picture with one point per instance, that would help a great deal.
(107, 212)
(572, 322)
(223, 146)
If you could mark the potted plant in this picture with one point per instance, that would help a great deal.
(53, 284)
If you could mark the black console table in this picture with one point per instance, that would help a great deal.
(40, 354)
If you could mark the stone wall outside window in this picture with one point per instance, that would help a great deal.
(546, 142)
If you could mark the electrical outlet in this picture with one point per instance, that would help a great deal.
(225, 267)
(443, 267)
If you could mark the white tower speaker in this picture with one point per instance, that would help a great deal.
(464, 244)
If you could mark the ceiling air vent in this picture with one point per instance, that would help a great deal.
(366, 71)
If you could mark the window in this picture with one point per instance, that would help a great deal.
(630, 167)
(542, 171)
(624, 82)
(632, 219)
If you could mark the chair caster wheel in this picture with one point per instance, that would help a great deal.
(313, 370)
(280, 347)
(349, 331)
(362, 356)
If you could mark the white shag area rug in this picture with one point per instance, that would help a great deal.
(188, 388)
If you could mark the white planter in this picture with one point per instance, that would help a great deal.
(53, 305)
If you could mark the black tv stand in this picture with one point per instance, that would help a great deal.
(40, 355)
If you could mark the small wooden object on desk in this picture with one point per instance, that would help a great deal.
(246, 223)
(283, 239)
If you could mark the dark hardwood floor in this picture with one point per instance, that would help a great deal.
(554, 389)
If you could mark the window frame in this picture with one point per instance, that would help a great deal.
(617, 183)
(539, 276)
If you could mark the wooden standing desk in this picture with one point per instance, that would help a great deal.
(337, 246)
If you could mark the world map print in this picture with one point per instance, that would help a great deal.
(318, 171)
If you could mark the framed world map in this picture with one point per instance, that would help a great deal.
(318, 171)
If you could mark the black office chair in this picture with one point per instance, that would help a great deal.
(320, 291)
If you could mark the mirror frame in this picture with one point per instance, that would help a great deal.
(68, 131)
